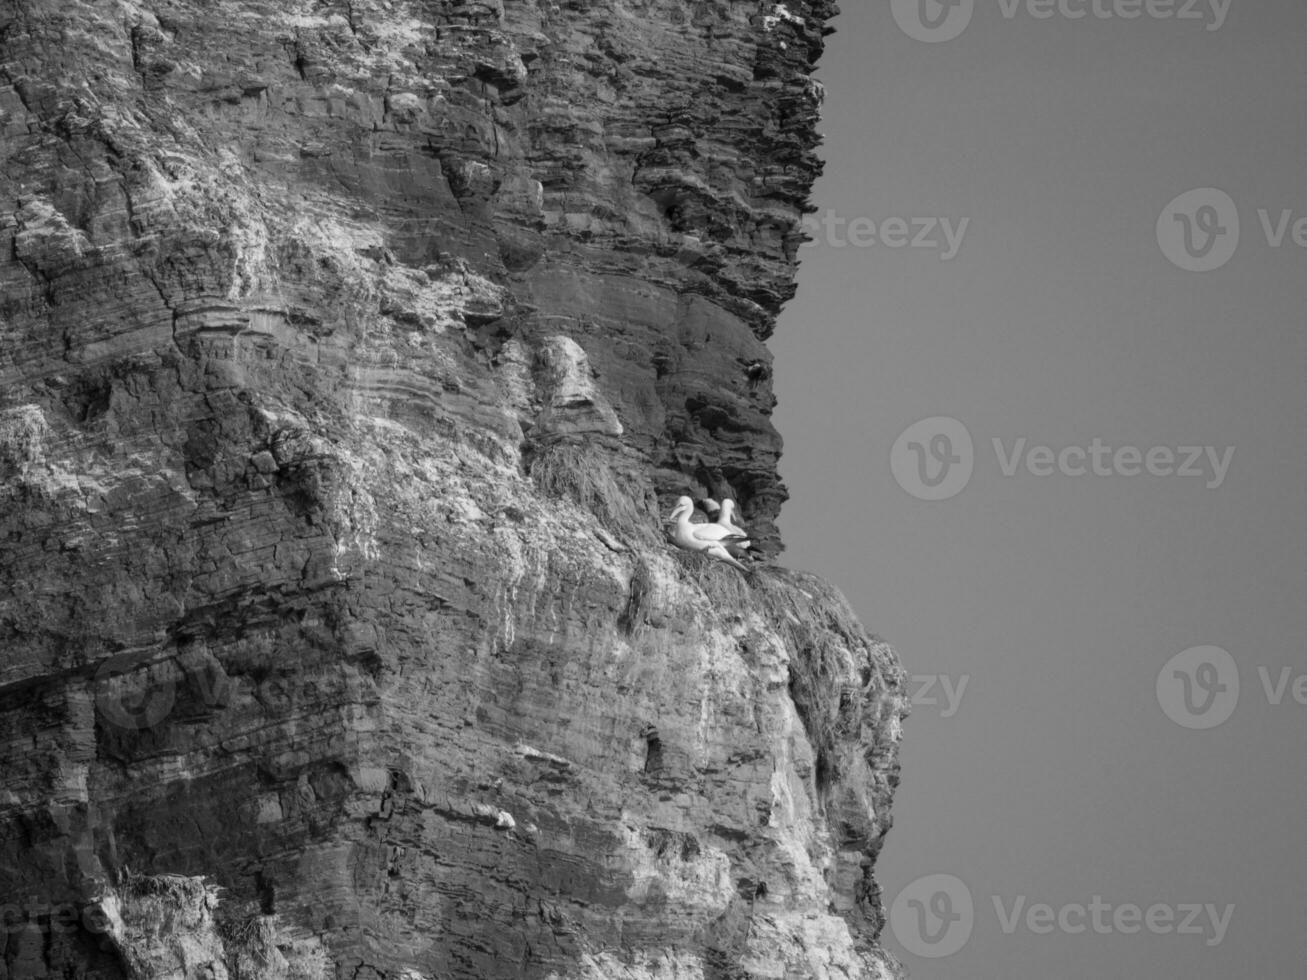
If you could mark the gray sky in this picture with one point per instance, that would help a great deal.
(1059, 599)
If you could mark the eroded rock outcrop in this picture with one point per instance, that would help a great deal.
(350, 353)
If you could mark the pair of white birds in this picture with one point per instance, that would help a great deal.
(722, 538)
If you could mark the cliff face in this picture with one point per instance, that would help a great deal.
(350, 353)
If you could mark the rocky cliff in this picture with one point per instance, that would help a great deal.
(351, 352)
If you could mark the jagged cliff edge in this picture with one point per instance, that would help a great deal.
(349, 355)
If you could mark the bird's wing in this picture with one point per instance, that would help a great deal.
(721, 554)
(714, 532)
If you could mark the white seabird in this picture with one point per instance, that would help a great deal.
(710, 539)
(724, 516)
(727, 518)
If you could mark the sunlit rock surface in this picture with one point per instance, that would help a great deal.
(350, 355)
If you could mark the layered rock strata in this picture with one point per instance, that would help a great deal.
(350, 353)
